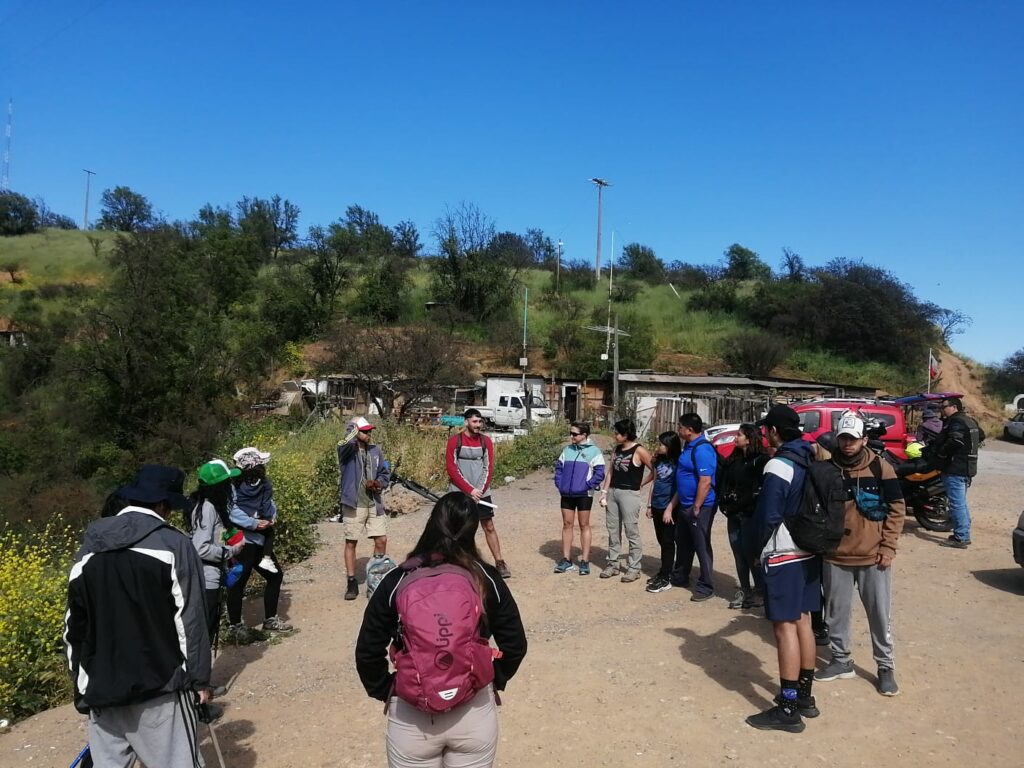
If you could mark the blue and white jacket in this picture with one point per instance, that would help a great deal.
(579, 471)
(781, 495)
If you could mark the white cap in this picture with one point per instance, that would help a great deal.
(361, 424)
(850, 424)
(249, 457)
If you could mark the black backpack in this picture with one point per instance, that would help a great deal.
(819, 523)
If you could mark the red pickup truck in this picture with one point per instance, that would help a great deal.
(822, 415)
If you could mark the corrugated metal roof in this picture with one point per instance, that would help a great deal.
(728, 381)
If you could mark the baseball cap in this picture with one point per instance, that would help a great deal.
(850, 424)
(361, 424)
(250, 457)
(216, 471)
(780, 417)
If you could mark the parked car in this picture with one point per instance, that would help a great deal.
(1014, 428)
(1018, 540)
(822, 415)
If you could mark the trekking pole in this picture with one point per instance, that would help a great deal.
(213, 737)
(84, 759)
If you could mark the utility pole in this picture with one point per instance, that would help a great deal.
(612, 331)
(88, 178)
(558, 266)
(5, 173)
(523, 361)
(601, 184)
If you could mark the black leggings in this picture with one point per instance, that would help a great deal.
(213, 612)
(666, 535)
(250, 557)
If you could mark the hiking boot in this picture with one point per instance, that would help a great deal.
(503, 570)
(352, 591)
(563, 565)
(835, 670)
(821, 636)
(612, 569)
(887, 682)
(805, 706)
(276, 624)
(776, 719)
(753, 600)
(630, 576)
(659, 585)
(738, 599)
(584, 568)
(955, 543)
(700, 597)
(239, 634)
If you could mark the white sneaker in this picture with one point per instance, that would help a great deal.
(267, 564)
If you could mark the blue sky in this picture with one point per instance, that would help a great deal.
(887, 132)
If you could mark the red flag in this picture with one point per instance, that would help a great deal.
(934, 370)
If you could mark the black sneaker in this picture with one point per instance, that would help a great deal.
(700, 597)
(806, 706)
(821, 637)
(887, 682)
(776, 719)
(210, 712)
(955, 543)
(353, 589)
(659, 585)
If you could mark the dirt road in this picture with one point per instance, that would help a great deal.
(619, 677)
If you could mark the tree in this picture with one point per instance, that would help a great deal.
(398, 368)
(951, 322)
(123, 210)
(511, 249)
(466, 275)
(50, 220)
(1007, 378)
(18, 214)
(754, 353)
(12, 268)
(743, 264)
(541, 246)
(793, 267)
(272, 224)
(641, 262)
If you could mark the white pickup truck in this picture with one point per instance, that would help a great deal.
(510, 411)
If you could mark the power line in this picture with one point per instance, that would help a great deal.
(24, 54)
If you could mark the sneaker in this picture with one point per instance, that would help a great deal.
(276, 624)
(685, 584)
(776, 719)
(612, 569)
(805, 706)
(352, 591)
(630, 576)
(700, 597)
(267, 564)
(503, 570)
(753, 600)
(659, 585)
(887, 682)
(584, 568)
(955, 543)
(821, 637)
(564, 565)
(835, 670)
(738, 599)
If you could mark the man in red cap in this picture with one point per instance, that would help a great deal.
(364, 474)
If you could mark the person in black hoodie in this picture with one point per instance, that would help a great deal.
(470, 730)
(137, 644)
(739, 484)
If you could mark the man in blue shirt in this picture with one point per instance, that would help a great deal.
(694, 503)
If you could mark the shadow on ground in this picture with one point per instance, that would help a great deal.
(1007, 579)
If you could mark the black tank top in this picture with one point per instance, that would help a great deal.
(625, 474)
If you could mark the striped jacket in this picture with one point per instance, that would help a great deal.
(780, 497)
(135, 626)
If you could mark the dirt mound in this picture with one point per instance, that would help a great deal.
(960, 376)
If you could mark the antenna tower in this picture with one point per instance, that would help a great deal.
(5, 175)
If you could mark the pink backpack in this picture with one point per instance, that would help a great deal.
(440, 660)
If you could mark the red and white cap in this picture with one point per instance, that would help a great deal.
(361, 424)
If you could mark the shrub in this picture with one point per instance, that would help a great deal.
(754, 353)
(719, 296)
(537, 450)
(33, 596)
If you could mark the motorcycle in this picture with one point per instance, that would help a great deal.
(922, 487)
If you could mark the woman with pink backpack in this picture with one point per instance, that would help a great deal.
(434, 616)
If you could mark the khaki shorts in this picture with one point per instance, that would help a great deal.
(355, 519)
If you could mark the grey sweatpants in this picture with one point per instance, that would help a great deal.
(162, 732)
(623, 512)
(466, 737)
(874, 585)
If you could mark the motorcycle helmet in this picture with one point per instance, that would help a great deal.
(914, 450)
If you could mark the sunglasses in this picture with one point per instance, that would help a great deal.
(575, 434)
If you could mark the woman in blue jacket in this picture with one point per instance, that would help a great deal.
(579, 472)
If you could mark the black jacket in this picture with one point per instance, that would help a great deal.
(136, 619)
(955, 450)
(380, 628)
(739, 483)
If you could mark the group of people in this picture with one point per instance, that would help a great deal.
(758, 487)
(144, 599)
